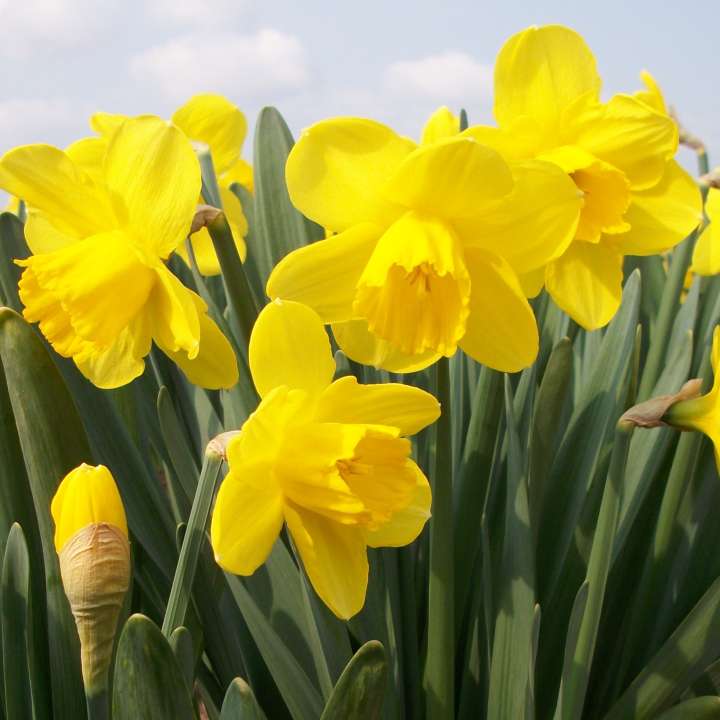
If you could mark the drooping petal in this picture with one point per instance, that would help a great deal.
(706, 257)
(100, 282)
(407, 408)
(49, 181)
(540, 71)
(360, 345)
(631, 136)
(247, 518)
(534, 224)
(324, 275)
(406, 524)
(414, 290)
(289, 346)
(120, 363)
(154, 177)
(663, 215)
(215, 365)
(215, 121)
(335, 171)
(334, 557)
(451, 178)
(86, 496)
(532, 282)
(501, 329)
(174, 313)
(443, 123)
(586, 282)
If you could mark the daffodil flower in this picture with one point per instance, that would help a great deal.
(706, 256)
(328, 459)
(214, 122)
(636, 199)
(91, 539)
(702, 413)
(96, 281)
(429, 240)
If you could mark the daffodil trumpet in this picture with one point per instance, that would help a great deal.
(91, 539)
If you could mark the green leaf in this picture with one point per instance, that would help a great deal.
(12, 247)
(148, 683)
(279, 227)
(678, 663)
(53, 443)
(700, 708)
(15, 605)
(181, 643)
(514, 620)
(240, 703)
(359, 692)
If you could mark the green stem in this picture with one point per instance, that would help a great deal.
(439, 676)
(574, 690)
(98, 706)
(181, 589)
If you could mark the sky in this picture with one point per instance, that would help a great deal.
(392, 61)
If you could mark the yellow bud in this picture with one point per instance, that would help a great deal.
(92, 544)
(86, 496)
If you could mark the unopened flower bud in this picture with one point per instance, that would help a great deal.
(91, 540)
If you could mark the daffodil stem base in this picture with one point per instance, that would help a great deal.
(98, 707)
(439, 675)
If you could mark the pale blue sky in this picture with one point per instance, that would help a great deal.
(393, 61)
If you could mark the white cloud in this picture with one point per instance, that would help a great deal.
(32, 26)
(263, 64)
(209, 13)
(28, 120)
(451, 76)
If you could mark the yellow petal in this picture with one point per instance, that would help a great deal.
(106, 124)
(247, 518)
(122, 362)
(443, 123)
(501, 330)
(86, 496)
(215, 365)
(532, 282)
(663, 215)
(289, 346)
(406, 524)
(520, 140)
(49, 181)
(706, 257)
(631, 136)
(586, 282)
(407, 408)
(540, 71)
(215, 121)
(414, 289)
(334, 557)
(451, 178)
(175, 317)
(360, 345)
(534, 224)
(42, 236)
(240, 172)
(154, 178)
(652, 95)
(324, 275)
(335, 170)
(100, 282)
(89, 155)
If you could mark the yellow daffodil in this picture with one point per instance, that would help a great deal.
(328, 459)
(702, 413)
(706, 257)
(214, 122)
(652, 95)
(96, 281)
(91, 539)
(636, 199)
(429, 240)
